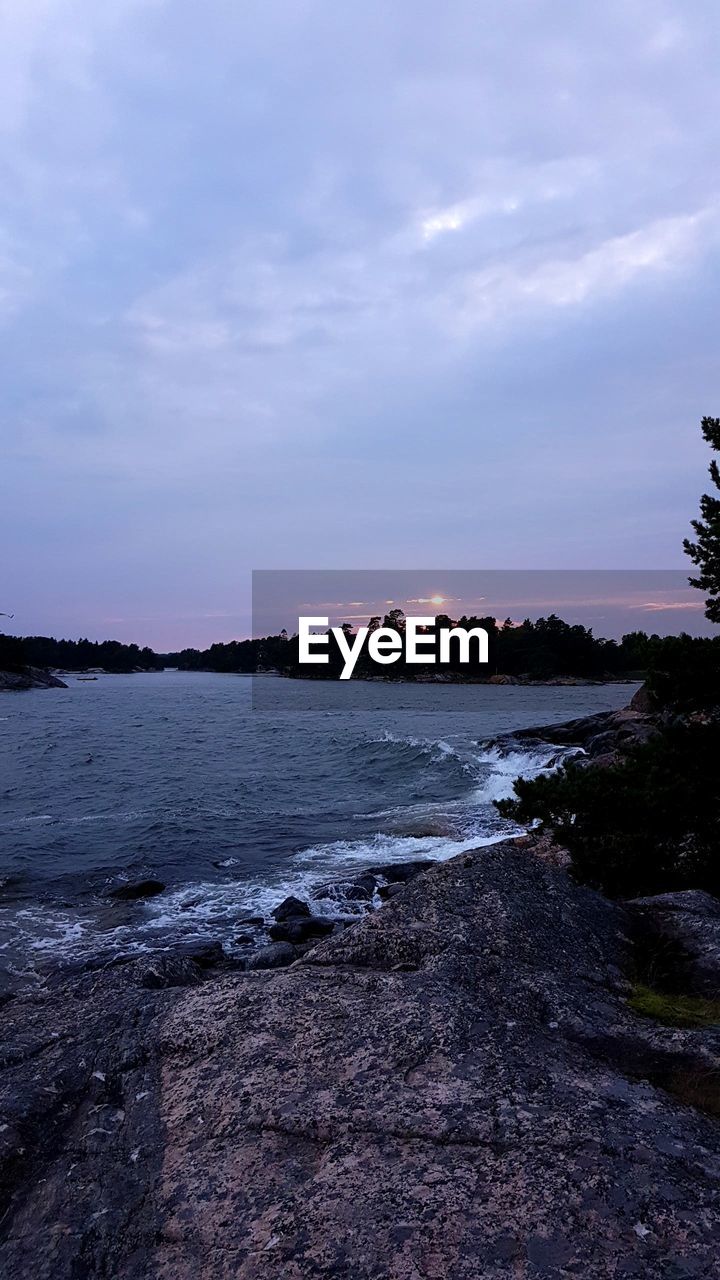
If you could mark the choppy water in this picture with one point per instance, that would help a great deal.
(173, 775)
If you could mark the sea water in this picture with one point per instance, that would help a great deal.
(172, 775)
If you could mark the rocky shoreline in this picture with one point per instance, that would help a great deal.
(29, 678)
(456, 1086)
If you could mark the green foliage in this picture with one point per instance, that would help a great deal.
(705, 551)
(675, 1010)
(647, 824)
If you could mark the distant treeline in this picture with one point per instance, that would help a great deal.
(75, 655)
(542, 650)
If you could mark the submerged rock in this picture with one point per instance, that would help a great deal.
(360, 890)
(357, 895)
(132, 890)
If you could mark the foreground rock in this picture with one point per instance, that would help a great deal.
(80, 1135)
(452, 1089)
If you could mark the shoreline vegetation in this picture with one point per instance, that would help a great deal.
(545, 651)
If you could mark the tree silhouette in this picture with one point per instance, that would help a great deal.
(705, 552)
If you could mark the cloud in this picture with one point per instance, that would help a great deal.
(361, 285)
(670, 605)
(667, 37)
(508, 188)
(663, 245)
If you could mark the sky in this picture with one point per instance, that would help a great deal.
(611, 602)
(305, 284)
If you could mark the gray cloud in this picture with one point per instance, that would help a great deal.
(317, 284)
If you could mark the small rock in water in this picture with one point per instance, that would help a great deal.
(361, 889)
(243, 939)
(255, 921)
(138, 889)
(274, 956)
(300, 928)
(290, 908)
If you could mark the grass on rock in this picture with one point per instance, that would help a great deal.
(675, 1010)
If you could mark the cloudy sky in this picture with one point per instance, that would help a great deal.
(302, 283)
(611, 602)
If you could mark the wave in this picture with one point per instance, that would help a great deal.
(478, 773)
(508, 763)
(43, 935)
(209, 911)
(413, 750)
(382, 848)
(492, 766)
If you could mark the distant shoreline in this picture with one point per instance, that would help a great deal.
(46, 678)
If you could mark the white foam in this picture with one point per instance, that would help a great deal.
(33, 817)
(391, 848)
(509, 765)
(435, 748)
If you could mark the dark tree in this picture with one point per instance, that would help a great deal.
(395, 619)
(705, 552)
